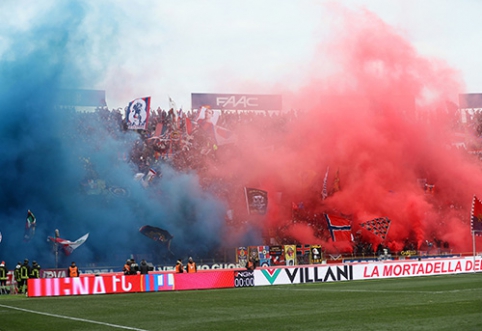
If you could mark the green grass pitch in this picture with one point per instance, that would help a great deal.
(452, 302)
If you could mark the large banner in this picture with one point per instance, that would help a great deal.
(137, 113)
(411, 268)
(236, 101)
(264, 257)
(119, 283)
(256, 201)
(470, 100)
(242, 256)
(301, 275)
(277, 255)
(303, 254)
(290, 254)
(104, 284)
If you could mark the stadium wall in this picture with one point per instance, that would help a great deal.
(265, 276)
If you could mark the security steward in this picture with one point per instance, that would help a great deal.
(16, 275)
(35, 271)
(24, 276)
(179, 267)
(191, 266)
(73, 271)
(3, 278)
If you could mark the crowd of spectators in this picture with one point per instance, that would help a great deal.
(172, 137)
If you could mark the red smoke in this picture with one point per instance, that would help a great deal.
(374, 110)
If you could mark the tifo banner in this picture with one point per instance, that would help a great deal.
(256, 200)
(253, 252)
(290, 254)
(137, 113)
(236, 101)
(303, 255)
(316, 254)
(242, 256)
(264, 257)
(277, 255)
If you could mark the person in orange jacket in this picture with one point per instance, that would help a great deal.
(179, 266)
(73, 270)
(191, 266)
(127, 267)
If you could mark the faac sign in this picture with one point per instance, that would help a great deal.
(237, 101)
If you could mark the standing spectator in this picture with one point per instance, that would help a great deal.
(179, 266)
(73, 270)
(191, 266)
(251, 265)
(127, 267)
(35, 270)
(134, 267)
(3, 278)
(24, 275)
(144, 268)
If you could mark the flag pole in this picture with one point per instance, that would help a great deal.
(56, 245)
(386, 234)
(247, 200)
(473, 248)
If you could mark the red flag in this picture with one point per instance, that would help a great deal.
(476, 219)
(158, 131)
(340, 228)
(67, 245)
(188, 126)
(224, 136)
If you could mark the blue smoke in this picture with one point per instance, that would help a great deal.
(47, 159)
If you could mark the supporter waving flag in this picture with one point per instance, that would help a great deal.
(157, 234)
(67, 245)
(324, 191)
(137, 113)
(30, 225)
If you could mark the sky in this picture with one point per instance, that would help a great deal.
(397, 61)
(175, 48)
